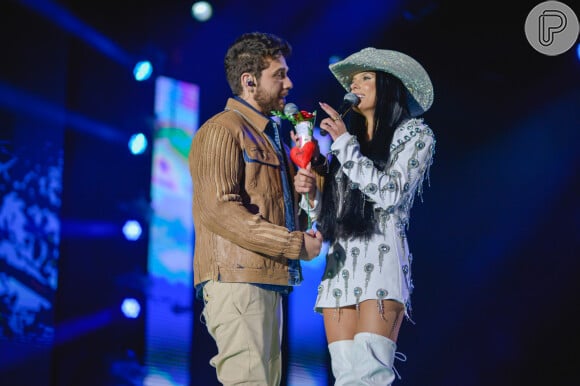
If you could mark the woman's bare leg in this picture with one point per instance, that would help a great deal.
(340, 324)
(386, 324)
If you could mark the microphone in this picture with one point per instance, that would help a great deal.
(303, 132)
(348, 102)
(291, 109)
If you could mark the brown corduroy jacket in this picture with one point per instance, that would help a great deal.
(238, 201)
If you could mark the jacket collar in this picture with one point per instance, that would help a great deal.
(249, 113)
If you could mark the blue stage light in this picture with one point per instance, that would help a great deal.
(132, 230)
(201, 11)
(578, 51)
(142, 70)
(131, 308)
(138, 143)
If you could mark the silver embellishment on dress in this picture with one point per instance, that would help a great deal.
(404, 207)
(368, 163)
(337, 293)
(368, 270)
(371, 188)
(383, 218)
(381, 295)
(413, 163)
(353, 185)
(406, 187)
(390, 209)
(411, 286)
(320, 289)
(329, 276)
(345, 275)
(420, 145)
(357, 294)
(354, 253)
(391, 186)
(409, 310)
(366, 248)
(348, 165)
(383, 215)
(405, 269)
(336, 256)
(383, 249)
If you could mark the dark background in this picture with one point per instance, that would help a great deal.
(495, 242)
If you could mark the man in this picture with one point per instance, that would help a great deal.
(247, 248)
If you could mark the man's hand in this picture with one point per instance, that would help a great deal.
(312, 245)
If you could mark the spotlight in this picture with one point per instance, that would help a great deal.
(578, 51)
(132, 230)
(138, 143)
(131, 308)
(201, 11)
(142, 70)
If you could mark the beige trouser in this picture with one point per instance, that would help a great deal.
(246, 323)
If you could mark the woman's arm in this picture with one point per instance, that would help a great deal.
(411, 155)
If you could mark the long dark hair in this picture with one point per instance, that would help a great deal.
(356, 217)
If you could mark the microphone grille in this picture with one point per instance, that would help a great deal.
(351, 98)
(291, 109)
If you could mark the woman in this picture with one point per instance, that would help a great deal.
(376, 169)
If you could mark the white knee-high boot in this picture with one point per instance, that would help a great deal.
(373, 357)
(341, 361)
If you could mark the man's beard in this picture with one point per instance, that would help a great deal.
(267, 102)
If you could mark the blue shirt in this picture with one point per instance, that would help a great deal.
(273, 133)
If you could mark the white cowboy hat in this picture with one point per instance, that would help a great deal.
(404, 67)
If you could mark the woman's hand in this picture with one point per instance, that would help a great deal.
(305, 182)
(334, 124)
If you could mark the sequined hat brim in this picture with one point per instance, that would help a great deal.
(404, 67)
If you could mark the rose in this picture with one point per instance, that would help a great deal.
(304, 115)
(301, 116)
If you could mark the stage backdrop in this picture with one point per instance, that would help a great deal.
(32, 124)
(30, 198)
(169, 297)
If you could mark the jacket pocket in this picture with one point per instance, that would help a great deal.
(261, 156)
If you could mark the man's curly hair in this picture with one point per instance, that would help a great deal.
(250, 53)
